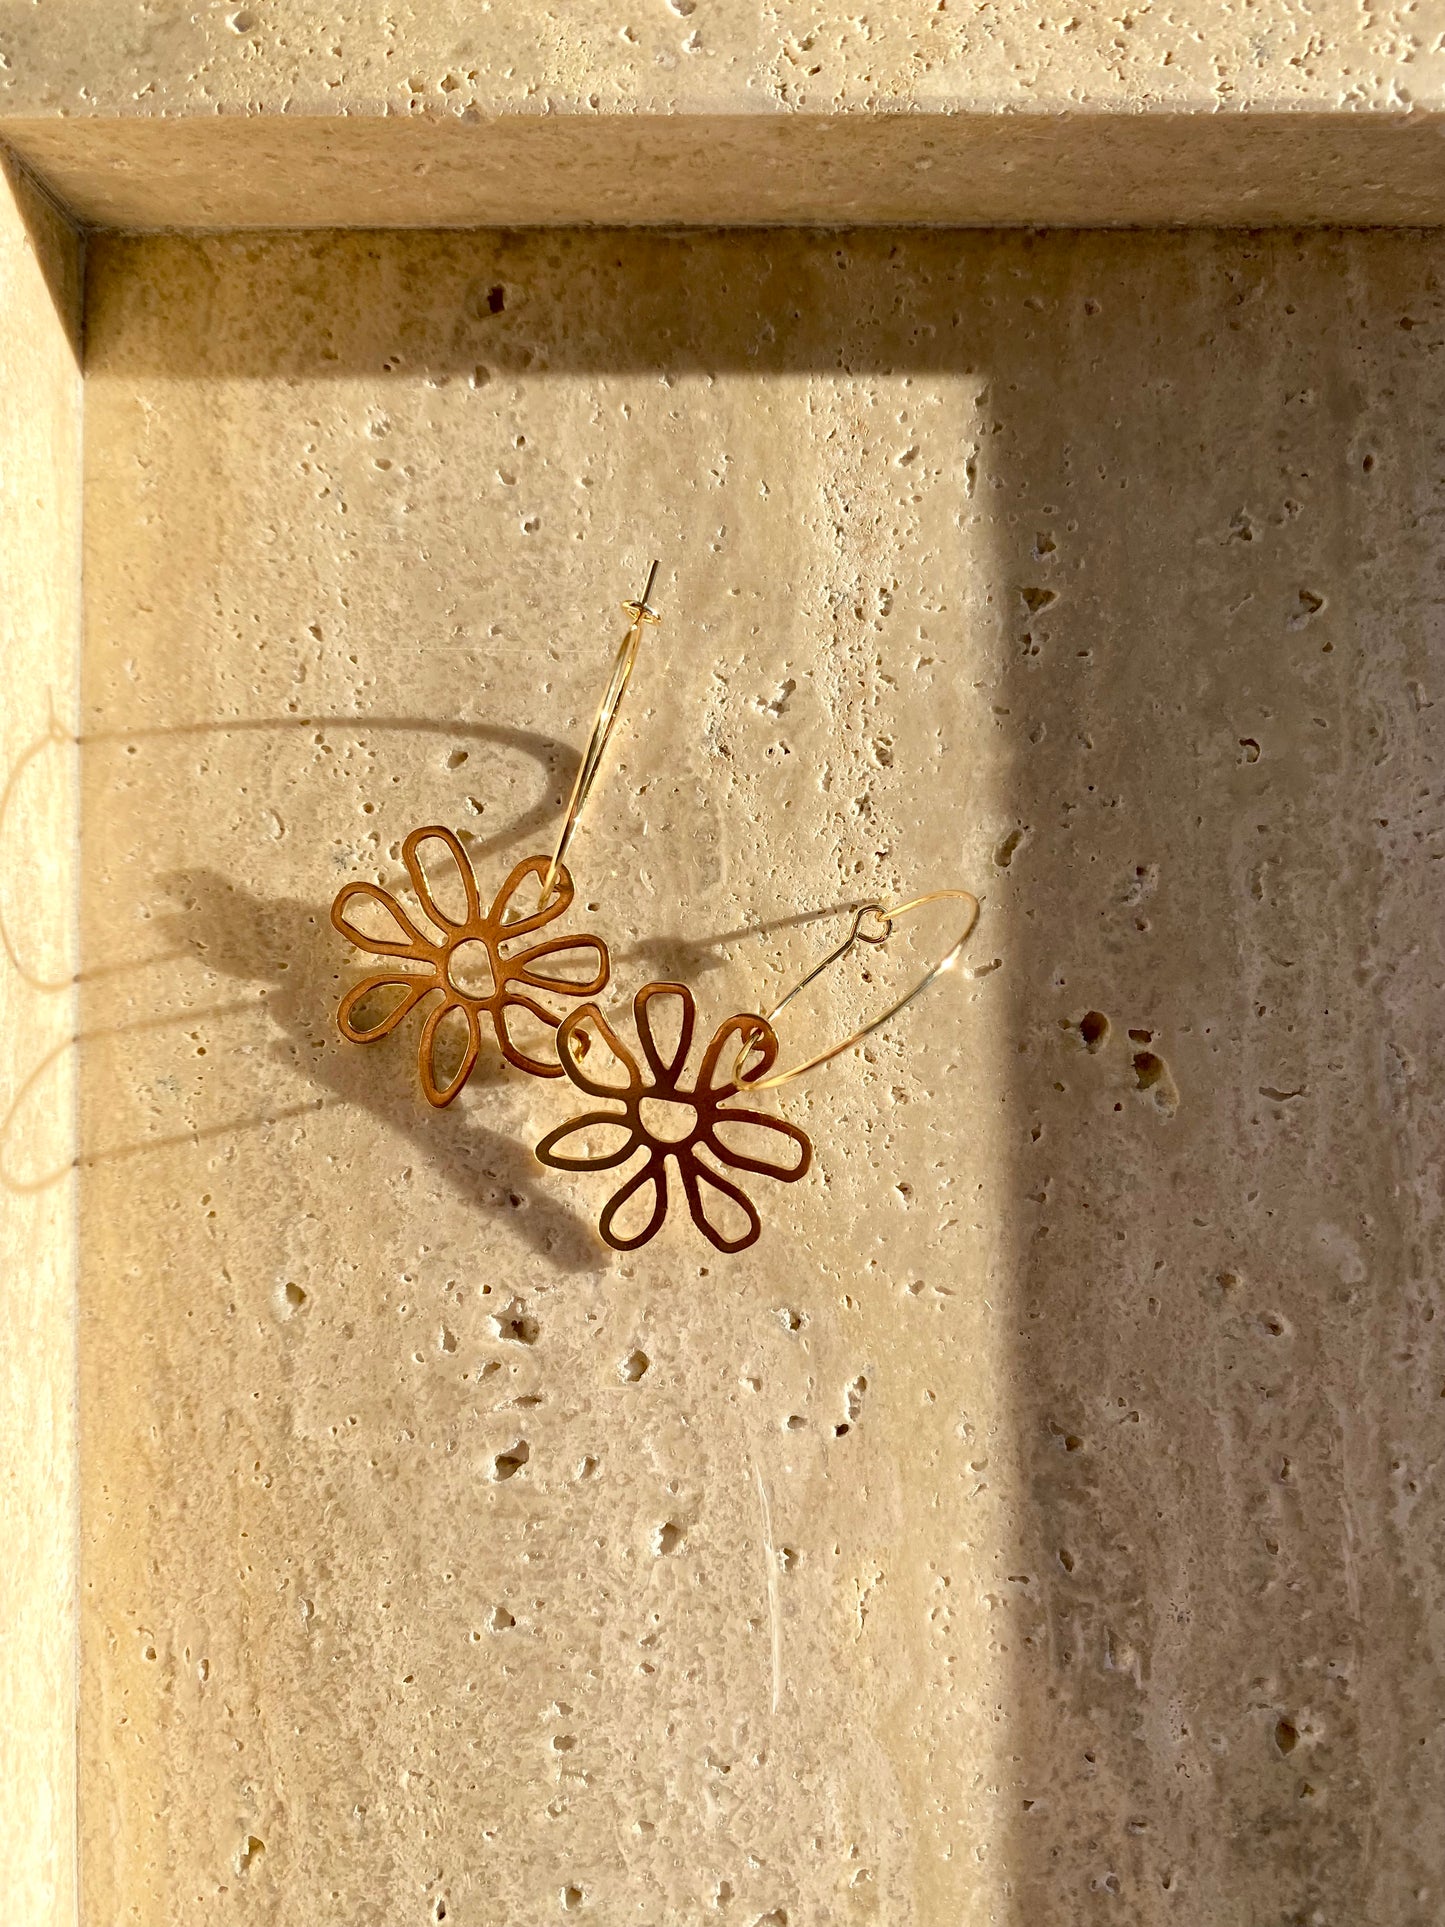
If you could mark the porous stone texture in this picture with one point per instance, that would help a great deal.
(1095, 169)
(283, 114)
(1038, 1524)
(40, 645)
(277, 57)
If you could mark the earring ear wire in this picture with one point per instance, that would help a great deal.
(603, 724)
(473, 962)
(857, 935)
(695, 1126)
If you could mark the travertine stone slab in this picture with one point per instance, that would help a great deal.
(706, 112)
(40, 276)
(1037, 1526)
(951, 169)
(715, 56)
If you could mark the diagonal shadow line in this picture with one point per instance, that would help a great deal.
(557, 760)
(24, 1186)
(290, 947)
(455, 1140)
(690, 957)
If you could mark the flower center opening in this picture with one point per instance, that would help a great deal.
(667, 1120)
(469, 969)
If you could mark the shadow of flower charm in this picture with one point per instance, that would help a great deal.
(696, 1125)
(475, 964)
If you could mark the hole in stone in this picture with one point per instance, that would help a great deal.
(516, 1326)
(1286, 1736)
(457, 758)
(633, 1366)
(295, 1298)
(507, 1465)
(1093, 1030)
(501, 1621)
(667, 1538)
(1148, 1069)
(1004, 854)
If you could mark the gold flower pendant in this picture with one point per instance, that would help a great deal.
(474, 964)
(695, 1125)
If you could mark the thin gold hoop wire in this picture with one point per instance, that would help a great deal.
(602, 726)
(856, 936)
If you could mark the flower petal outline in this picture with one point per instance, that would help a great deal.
(665, 1073)
(419, 883)
(548, 1153)
(520, 969)
(415, 945)
(442, 1094)
(416, 987)
(562, 895)
(653, 1172)
(727, 1040)
(570, 1025)
(500, 1005)
(694, 1174)
(740, 1161)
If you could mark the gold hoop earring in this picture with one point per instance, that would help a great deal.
(668, 1118)
(474, 963)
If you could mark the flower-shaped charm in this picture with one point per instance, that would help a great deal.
(696, 1124)
(474, 964)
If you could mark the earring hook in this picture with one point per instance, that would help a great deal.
(641, 611)
(857, 935)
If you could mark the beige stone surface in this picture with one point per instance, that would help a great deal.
(709, 112)
(1040, 1524)
(957, 169)
(40, 645)
(709, 56)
